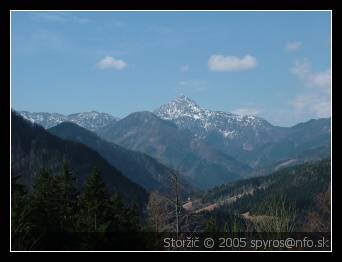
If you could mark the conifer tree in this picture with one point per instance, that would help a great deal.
(43, 204)
(19, 210)
(94, 205)
(66, 195)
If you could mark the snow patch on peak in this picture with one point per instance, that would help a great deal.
(188, 114)
(229, 134)
(90, 120)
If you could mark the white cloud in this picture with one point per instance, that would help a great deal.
(316, 101)
(184, 68)
(315, 105)
(81, 20)
(49, 17)
(110, 62)
(322, 80)
(222, 63)
(58, 17)
(247, 111)
(45, 39)
(293, 46)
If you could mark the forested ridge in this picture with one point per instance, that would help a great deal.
(33, 148)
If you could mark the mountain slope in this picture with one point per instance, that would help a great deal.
(90, 120)
(138, 167)
(306, 178)
(249, 139)
(33, 148)
(202, 165)
(301, 187)
(304, 142)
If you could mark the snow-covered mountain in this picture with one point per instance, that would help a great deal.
(202, 122)
(249, 139)
(90, 120)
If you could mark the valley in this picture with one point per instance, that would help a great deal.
(168, 168)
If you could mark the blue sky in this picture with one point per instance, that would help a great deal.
(275, 65)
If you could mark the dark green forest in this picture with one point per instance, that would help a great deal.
(56, 210)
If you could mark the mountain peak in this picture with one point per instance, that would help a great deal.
(185, 113)
(182, 99)
(142, 116)
(179, 107)
(92, 120)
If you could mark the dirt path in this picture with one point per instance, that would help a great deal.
(212, 206)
